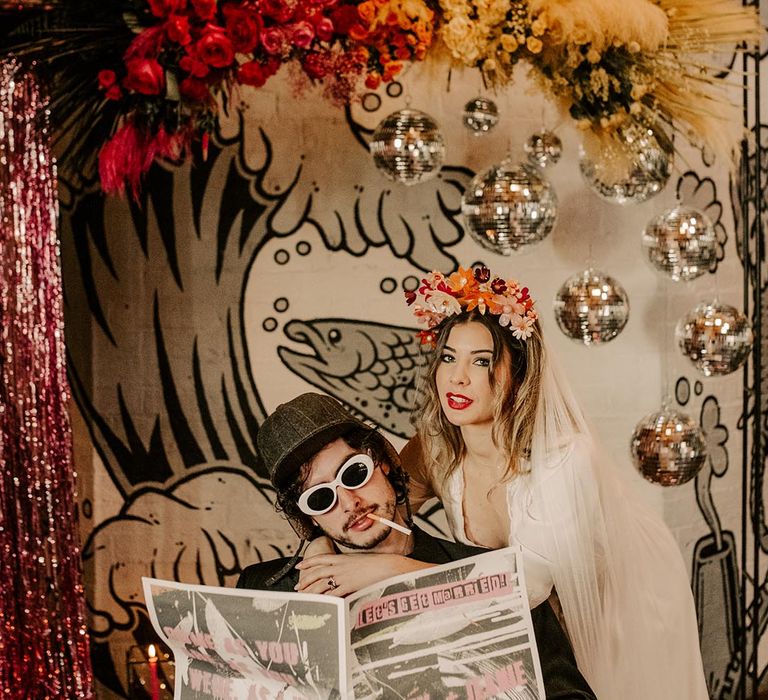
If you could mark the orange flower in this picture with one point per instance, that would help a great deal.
(391, 70)
(423, 32)
(467, 290)
(460, 279)
(472, 300)
(367, 11)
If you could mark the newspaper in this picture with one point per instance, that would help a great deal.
(460, 631)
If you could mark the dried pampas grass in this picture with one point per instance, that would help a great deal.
(688, 88)
(611, 63)
(679, 41)
(602, 23)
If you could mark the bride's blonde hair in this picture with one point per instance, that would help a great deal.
(515, 377)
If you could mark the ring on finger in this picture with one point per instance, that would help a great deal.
(332, 583)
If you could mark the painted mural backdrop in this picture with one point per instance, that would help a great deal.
(277, 265)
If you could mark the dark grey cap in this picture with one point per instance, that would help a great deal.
(298, 430)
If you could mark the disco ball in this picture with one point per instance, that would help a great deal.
(591, 307)
(480, 115)
(630, 169)
(668, 448)
(716, 337)
(544, 148)
(681, 243)
(509, 206)
(407, 147)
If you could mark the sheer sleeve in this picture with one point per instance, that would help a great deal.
(620, 579)
(565, 531)
(617, 570)
(420, 488)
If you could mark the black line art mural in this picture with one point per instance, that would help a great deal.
(174, 419)
(714, 561)
(717, 579)
(266, 268)
(701, 192)
(371, 367)
(714, 565)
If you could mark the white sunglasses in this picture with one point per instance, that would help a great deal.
(353, 474)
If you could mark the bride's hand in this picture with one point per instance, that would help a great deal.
(342, 574)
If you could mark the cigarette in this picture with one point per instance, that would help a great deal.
(401, 528)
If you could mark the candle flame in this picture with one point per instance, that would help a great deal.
(151, 651)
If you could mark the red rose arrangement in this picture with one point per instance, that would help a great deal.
(189, 51)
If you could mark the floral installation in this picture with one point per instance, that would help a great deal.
(194, 49)
(439, 297)
(156, 72)
(612, 62)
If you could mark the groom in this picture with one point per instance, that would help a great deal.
(336, 476)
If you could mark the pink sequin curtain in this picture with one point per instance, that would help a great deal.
(43, 635)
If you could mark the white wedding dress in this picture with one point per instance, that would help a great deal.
(644, 644)
(614, 565)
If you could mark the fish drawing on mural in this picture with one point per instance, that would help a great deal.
(371, 367)
(165, 383)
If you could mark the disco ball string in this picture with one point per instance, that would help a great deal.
(44, 649)
(510, 206)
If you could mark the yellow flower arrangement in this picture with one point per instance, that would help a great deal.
(611, 61)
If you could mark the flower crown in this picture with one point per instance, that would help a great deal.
(467, 289)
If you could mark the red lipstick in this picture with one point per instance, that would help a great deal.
(458, 402)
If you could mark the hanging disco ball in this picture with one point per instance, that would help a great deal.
(631, 168)
(509, 206)
(480, 115)
(668, 448)
(407, 147)
(591, 307)
(716, 337)
(544, 148)
(681, 243)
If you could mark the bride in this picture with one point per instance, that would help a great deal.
(503, 444)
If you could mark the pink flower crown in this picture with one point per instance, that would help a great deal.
(439, 297)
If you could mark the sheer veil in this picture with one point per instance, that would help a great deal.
(617, 570)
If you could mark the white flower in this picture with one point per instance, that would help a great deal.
(459, 35)
(444, 303)
(522, 327)
(434, 278)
